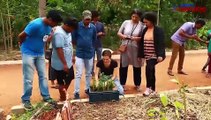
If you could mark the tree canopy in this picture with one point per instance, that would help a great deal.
(112, 12)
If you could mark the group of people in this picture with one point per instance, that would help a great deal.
(142, 37)
(145, 42)
(84, 35)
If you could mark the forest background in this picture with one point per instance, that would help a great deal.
(15, 15)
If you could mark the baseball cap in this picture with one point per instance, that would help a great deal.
(87, 14)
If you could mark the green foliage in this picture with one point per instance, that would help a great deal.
(105, 83)
(28, 114)
(166, 102)
(113, 13)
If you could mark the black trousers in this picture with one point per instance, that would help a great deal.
(136, 75)
(150, 73)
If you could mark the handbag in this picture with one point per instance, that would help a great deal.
(123, 48)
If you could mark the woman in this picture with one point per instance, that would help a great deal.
(109, 67)
(152, 48)
(130, 34)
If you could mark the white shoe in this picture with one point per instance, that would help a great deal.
(147, 92)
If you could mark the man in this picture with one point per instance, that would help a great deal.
(62, 55)
(32, 49)
(84, 37)
(186, 31)
(100, 33)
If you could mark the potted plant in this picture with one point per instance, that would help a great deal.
(103, 90)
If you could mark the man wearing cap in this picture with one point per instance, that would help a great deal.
(84, 38)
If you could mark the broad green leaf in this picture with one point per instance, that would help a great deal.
(178, 105)
(164, 99)
(175, 81)
(151, 112)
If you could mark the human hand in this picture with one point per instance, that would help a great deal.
(159, 59)
(66, 69)
(141, 61)
(194, 36)
(100, 34)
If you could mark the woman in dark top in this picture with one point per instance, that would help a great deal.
(109, 67)
(152, 48)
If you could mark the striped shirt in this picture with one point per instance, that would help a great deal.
(149, 50)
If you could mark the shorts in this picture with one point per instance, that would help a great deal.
(64, 78)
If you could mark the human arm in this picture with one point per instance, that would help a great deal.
(115, 73)
(50, 36)
(120, 33)
(97, 73)
(160, 44)
(102, 31)
(22, 36)
(58, 45)
(30, 29)
(60, 53)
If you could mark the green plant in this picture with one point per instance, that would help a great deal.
(182, 91)
(105, 83)
(168, 102)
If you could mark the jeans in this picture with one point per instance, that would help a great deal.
(80, 64)
(29, 64)
(119, 86)
(98, 53)
(99, 56)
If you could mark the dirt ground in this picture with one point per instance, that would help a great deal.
(11, 81)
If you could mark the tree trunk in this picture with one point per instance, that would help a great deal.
(42, 8)
(3, 33)
(10, 28)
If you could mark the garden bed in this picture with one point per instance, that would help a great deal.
(139, 107)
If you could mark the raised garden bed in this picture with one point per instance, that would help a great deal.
(137, 108)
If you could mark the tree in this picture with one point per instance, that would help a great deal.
(42, 8)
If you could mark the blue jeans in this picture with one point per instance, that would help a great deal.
(29, 64)
(80, 64)
(98, 53)
(99, 56)
(119, 86)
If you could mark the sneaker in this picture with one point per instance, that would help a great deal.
(87, 91)
(147, 92)
(50, 101)
(138, 88)
(76, 96)
(27, 105)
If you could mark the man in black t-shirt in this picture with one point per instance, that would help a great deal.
(109, 67)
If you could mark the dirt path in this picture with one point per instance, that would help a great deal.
(11, 81)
